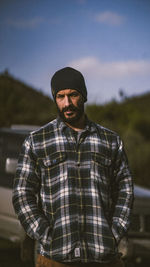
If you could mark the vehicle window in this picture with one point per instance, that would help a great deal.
(10, 145)
(135, 223)
(147, 223)
(1, 145)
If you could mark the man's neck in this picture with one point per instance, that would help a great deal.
(77, 125)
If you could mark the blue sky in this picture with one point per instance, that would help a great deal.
(107, 40)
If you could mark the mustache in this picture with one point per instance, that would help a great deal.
(70, 108)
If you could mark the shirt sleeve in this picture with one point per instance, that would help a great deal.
(26, 187)
(122, 194)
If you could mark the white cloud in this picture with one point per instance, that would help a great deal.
(104, 79)
(115, 69)
(25, 23)
(110, 18)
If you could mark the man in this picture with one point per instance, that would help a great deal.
(79, 171)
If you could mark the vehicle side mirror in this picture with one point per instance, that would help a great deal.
(10, 166)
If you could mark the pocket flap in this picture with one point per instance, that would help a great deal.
(54, 159)
(102, 160)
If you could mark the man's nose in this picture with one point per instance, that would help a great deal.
(67, 101)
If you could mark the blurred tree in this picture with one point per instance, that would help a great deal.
(21, 104)
(130, 118)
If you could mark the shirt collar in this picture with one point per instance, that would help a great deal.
(89, 126)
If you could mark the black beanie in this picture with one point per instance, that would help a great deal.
(68, 78)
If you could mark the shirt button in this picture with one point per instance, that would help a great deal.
(78, 164)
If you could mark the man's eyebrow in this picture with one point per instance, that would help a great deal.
(60, 94)
(74, 92)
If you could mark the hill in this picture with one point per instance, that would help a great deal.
(130, 114)
(131, 119)
(21, 104)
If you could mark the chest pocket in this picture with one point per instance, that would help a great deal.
(54, 159)
(100, 168)
(54, 168)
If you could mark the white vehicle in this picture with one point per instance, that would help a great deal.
(137, 249)
(11, 140)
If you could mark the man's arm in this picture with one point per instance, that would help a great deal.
(26, 187)
(122, 194)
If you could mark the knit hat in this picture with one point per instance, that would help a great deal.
(68, 78)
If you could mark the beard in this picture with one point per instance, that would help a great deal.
(79, 110)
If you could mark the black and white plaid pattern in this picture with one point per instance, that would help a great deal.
(84, 192)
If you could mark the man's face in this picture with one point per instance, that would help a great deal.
(70, 105)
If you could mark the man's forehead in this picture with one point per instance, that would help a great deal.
(67, 91)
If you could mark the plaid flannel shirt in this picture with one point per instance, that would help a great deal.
(84, 192)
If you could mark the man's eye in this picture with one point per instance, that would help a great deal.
(60, 96)
(74, 94)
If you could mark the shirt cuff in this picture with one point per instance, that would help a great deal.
(117, 230)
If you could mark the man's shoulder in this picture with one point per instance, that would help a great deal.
(43, 138)
(45, 132)
(106, 139)
(105, 131)
(107, 136)
(47, 128)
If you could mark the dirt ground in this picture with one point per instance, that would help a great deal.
(10, 255)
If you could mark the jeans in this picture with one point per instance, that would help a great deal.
(45, 262)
